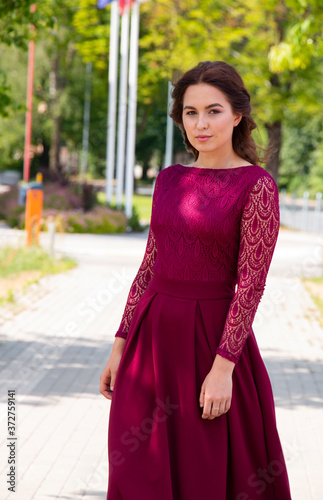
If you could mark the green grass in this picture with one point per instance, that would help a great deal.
(16, 260)
(142, 203)
(315, 279)
(317, 297)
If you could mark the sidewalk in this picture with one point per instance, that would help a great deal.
(56, 340)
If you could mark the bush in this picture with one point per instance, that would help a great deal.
(65, 205)
(134, 222)
(61, 197)
(100, 220)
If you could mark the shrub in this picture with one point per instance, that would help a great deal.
(65, 205)
(100, 220)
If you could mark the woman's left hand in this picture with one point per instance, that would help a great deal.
(216, 390)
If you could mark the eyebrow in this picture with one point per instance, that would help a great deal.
(206, 107)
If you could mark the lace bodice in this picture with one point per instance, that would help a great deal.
(212, 224)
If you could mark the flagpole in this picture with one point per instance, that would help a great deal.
(112, 105)
(132, 107)
(122, 117)
(86, 119)
(169, 131)
(29, 103)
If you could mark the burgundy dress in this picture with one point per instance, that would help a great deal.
(210, 230)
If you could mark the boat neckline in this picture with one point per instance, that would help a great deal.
(210, 168)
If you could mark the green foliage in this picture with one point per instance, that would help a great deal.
(276, 45)
(93, 26)
(133, 221)
(302, 156)
(5, 99)
(16, 20)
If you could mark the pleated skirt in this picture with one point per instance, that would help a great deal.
(159, 447)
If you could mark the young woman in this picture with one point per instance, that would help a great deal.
(192, 412)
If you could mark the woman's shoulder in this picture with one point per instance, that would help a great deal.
(167, 169)
(166, 172)
(259, 175)
(261, 185)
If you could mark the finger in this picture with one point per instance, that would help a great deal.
(112, 382)
(106, 392)
(227, 405)
(216, 409)
(201, 399)
(105, 386)
(207, 409)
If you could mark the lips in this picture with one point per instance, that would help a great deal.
(203, 137)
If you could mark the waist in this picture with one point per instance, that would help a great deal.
(192, 289)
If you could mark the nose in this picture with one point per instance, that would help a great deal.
(201, 122)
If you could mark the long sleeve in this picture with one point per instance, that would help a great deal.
(141, 280)
(259, 229)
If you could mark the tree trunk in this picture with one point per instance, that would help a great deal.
(274, 131)
(56, 133)
(55, 144)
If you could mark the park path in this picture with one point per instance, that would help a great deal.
(56, 339)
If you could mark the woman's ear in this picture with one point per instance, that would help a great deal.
(237, 120)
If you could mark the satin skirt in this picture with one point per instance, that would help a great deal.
(159, 447)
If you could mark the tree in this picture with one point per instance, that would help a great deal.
(15, 21)
(276, 45)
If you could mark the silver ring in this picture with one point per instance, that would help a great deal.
(216, 408)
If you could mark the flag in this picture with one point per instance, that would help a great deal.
(102, 3)
(122, 4)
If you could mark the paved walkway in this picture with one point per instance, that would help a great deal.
(56, 339)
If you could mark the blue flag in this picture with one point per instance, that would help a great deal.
(102, 3)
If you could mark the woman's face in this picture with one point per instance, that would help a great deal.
(208, 119)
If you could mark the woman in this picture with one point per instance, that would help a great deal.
(192, 413)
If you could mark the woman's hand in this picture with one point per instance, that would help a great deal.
(216, 390)
(108, 376)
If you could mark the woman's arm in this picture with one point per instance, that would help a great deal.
(142, 277)
(258, 235)
(139, 285)
(259, 230)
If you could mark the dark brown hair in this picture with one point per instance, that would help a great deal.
(224, 77)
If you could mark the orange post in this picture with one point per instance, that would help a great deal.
(34, 206)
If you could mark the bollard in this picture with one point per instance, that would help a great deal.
(51, 235)
(34, 206)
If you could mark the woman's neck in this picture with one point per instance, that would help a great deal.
(219, 161)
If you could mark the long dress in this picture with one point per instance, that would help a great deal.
(195, 295)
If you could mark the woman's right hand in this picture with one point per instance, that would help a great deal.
(108, 376)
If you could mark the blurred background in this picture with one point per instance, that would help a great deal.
(276, 45)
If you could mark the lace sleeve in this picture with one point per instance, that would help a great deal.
(141, 280)
(259, 229)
